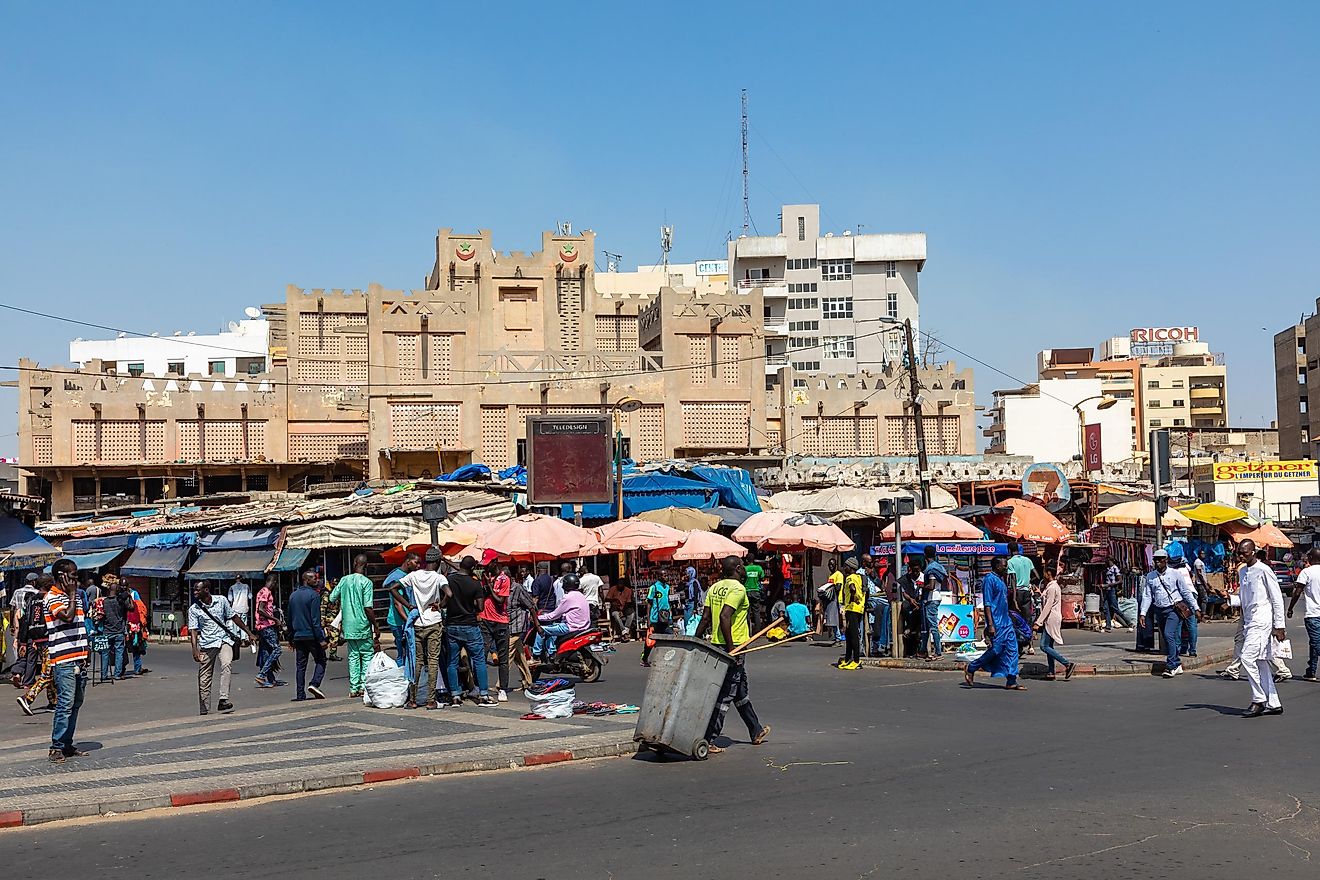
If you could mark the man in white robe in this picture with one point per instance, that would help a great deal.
(1263, 625)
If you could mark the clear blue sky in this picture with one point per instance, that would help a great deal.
(1078, 170)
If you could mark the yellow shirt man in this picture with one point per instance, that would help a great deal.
(853, 596)
(733, 594)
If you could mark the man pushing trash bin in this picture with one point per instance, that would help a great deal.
(726, 611)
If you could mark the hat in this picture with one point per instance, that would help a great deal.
(31, 578)
(1160, 554)
(851, 562)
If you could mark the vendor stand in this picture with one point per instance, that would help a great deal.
(969, 562)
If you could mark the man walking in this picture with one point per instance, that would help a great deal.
(67, 648)
(932, 595)
(755, 577)
(1308, 586)
(1166, 592)
(1001, 658)
(1113, 580)
(307, 635)
(214, 631)
(356, 596)
(463, 630)
(725, 617)
(114, 624)
(1262, 618)
(31, 646)
(268, 635)
(430, 593)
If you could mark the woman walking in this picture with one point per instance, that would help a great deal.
(1048, 624)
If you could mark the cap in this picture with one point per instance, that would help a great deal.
(31, 577)
(1160, 554)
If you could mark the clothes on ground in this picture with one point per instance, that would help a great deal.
(355, 594)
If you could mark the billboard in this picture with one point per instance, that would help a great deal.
(712, 267)
(1257, 471)
(569, 460)
(1092, 454)
(1167, 335)
(1045, 483)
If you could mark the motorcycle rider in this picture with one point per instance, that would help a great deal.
(571, 615)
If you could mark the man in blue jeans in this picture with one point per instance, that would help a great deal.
(932, 594)
(1308, 585)
(877, 606)
(467, 595)
(115, 626)
(1164, 589)
(400, 605)
(67, 648)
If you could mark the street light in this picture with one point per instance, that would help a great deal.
(1106, 402)
(621, 406)
(435, 508)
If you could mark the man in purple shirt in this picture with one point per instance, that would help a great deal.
(571, 615)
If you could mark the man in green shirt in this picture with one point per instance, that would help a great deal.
(726, 613)
(755, 574)
(355, 594)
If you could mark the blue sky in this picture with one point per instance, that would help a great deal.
(1079, 170)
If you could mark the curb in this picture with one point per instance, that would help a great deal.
(1155, 667)
(39, 815)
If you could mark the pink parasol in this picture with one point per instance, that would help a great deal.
(929, 525)
(453, 540)
(758, 525)
(700, 545)
(803, 530)
(634, 534)
(533, 538)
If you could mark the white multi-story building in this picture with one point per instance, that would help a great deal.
(825, 294)
(242, 350)
(1044, 421)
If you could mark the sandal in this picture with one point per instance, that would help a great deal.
(968, 677)
(716, 750)
(1050, 677)
(1014, 687)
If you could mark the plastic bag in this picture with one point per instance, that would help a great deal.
(557, 704)
(1283, 650)
(384, 686)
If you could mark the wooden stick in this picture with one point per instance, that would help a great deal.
(776, 644)
(739, 649)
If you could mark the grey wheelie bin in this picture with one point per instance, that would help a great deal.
(682, 690)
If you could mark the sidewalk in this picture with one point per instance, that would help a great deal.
(268, 745)
(1092, 658)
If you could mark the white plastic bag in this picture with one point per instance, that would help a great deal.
(385, 686)
(1283, 650)
(558, 704)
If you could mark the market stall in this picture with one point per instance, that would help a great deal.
(968, 561)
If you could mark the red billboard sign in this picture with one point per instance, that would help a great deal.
(569, 460)
(1092, 453)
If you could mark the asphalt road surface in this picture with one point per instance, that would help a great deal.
(868, 773)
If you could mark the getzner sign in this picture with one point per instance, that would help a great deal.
(1148, 335)
(1256, 471)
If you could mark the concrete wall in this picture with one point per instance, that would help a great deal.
(1043, 424)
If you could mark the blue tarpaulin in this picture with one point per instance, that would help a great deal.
(92, 561)
(735, 485)
(21, 548)
(157, 562)
(466, 472)
(241, 539)
(167, 539)
(291, 559)
(74, 546)
(652, 491)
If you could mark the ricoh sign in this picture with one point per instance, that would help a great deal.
(1159, 341)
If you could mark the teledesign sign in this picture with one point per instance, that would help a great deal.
(1267, 471)
(568, 460)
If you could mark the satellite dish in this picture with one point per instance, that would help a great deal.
(233, 326)
(252, 312)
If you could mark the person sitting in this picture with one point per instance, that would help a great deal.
(571, 615)
(799, 617)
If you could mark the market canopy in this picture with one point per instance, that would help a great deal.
(635, 534)
(241, 539)
(79, 546)
(534, 538)
(1141, 513)
(1029, 521)
(806, 531)
(700, 545)
(352, 531)
(92, 561)
(1264, 535)
(758, 525)
(685, 519)
(21, 548)
(156, 562)
(731, 517)
(931, 525)
(291, 559)
(216, 564)
(1213, 513)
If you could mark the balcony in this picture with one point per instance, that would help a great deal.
(1208, 408)
(768, 286)
(1205, 392)
(774, 363)
(776, 326)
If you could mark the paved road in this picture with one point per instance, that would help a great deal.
(868, 773)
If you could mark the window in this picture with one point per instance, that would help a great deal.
(804, 305)
(802, 263)
(215, 368)
(805, 287)
(252, 366)
(1178, 423)
(891, 269)
(1301, 405)
(1179, 403)
(135, 369)
(803, 326)
(1153, 383)
(175, 367)
(1176, 383)
(837, 307)
(840, 347)
(1155, 423)
(1301, 375)
(891, 304)
(805, 367)
(768, 312)
(803, 342)
(836, 270)
(802, 229)
(799, 383)
(1153, 404)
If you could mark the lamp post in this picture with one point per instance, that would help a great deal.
(621, 406)
(435, 508)
(1106, 402)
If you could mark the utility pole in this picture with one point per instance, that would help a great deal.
(666, 245)
(747, 211)
(923, 464)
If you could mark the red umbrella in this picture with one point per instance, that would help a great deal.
(1029, 521)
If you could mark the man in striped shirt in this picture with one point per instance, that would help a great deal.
(67, 647)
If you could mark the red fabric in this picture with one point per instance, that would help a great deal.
(496, 606)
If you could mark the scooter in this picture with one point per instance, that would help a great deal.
(573, 655)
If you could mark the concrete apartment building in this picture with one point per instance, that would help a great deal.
(243, 349)
(1294, 363)
(1044, 421)
(393, 384)
(825, 293)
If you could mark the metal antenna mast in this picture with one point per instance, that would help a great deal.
(747, 211)
(666, 245)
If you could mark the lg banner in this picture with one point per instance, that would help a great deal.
(1091, 439)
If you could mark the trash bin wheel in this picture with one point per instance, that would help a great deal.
(701, 750)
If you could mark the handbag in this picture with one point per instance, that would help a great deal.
(1180, 606)
(230, 638)
(1283, 650)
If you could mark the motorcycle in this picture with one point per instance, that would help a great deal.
(573, 655)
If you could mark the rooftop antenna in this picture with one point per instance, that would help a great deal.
(666, 245)
(747, 211)
(612, 261)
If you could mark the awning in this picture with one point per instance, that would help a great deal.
(22, 548)
(92, 561)
(76, 546)
(241, 539)
(167, 539)
(291, 559)
(352, 531)
(156, 562)
(1264, 535)
(1213, 513)
(217, 564)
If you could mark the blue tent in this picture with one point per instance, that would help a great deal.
(735, 485)
(22, 548)
(652, 491)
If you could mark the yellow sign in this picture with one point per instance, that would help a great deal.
(1256, 471)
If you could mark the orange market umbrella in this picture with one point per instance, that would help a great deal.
(452, 540)
(1026, 519)
(930, 525)
(758, 525)
(533, 538)
(1265, 534)
(1141, 513)
(804, 530)
(635, 534)
(701, 545)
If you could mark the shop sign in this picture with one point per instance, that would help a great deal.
(712, 267)
(1045, 483)
(944, 548)
(1268, 471)
(957, 622)
(1311, 505)
(1169, 335)
(1092, 452)
(569, 460)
